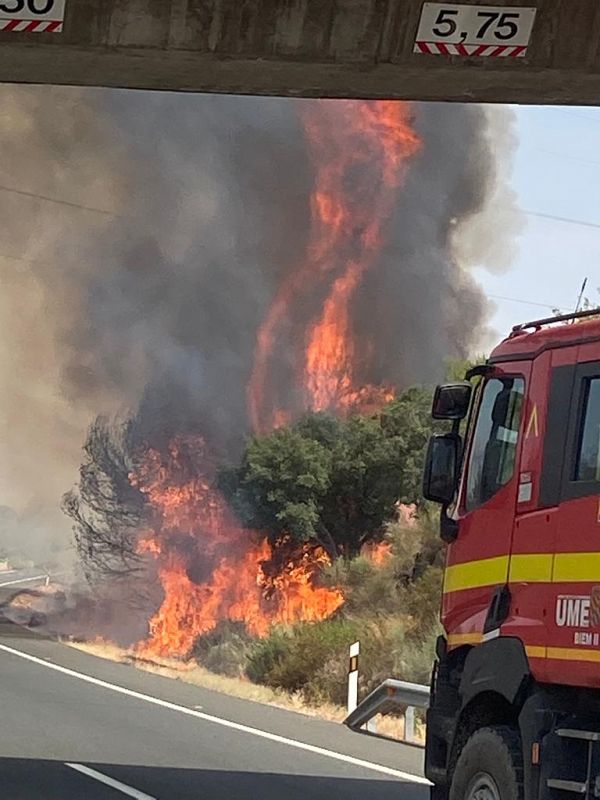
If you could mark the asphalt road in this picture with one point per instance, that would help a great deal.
(75, 726)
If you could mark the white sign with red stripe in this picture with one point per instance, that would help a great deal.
(461, 30)
(32, 16)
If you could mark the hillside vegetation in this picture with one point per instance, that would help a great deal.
(352, 487)
(391, 607)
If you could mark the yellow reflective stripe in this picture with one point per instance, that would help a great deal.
(531, 568)
(572, 654)
(535, 651)
(524, 568)
(472, 574)
(464, 638)
(576, 567)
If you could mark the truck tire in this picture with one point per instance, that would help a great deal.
(490, 766)
(438, 793)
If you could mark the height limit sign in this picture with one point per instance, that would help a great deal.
(460, 30)
(32, 16)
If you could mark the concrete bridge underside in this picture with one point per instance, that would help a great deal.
(331, 48)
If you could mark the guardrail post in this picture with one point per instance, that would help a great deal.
(353, 677)
(371, 725)
(409, 724)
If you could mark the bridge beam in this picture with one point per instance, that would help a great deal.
(332, 48)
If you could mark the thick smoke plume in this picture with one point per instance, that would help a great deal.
(144, 237)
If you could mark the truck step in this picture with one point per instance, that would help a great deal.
(567, 786)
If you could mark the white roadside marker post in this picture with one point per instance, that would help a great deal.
(353, 677)
(409, 724)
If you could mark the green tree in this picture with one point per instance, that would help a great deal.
(408, 424)
(457, 367)
(280, 486)
(366, 481)
(333, 481)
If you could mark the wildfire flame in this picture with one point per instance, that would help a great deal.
(193, 526)
(211, 568)
(378, 553)
(360, 152)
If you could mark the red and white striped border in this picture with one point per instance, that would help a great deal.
(493, 50)
(31, 26)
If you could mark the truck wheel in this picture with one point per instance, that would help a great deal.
(490, 766)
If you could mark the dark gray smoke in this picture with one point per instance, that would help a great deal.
(454, 212)
(143, 294)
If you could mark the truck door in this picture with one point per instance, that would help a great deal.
(574, 618)
(478, 560)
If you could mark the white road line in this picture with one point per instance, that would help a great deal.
(120, 787)
(23, 580)
(273, 737)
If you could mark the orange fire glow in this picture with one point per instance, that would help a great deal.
(378, 553)
(360, 152)
(210, 568)
(194, 526)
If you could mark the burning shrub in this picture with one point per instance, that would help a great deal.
(393, 605)
(225, 649)
(106, 509)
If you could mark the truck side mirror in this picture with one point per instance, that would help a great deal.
(451, 400)
(441, 468)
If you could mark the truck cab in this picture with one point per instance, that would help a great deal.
(515, 707)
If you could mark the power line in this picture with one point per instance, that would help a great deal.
(105, 212)
(56, 200)
(567, 156)
(490, 296)
(556, 218)
(523, 302)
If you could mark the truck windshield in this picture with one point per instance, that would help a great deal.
(492, 458)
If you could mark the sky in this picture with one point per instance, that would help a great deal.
(556, 171)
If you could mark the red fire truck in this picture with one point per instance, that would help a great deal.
(515, 702)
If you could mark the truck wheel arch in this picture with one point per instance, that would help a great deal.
(499, 666)
(492, 688)
(474, 687)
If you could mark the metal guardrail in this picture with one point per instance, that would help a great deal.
(45, 577)
(31, 579)
(390, 696)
